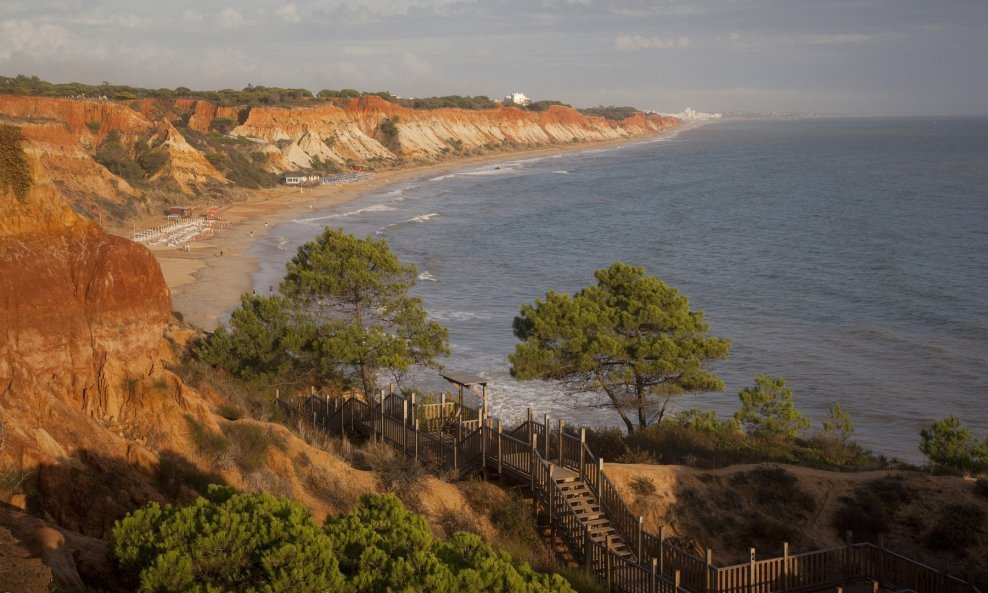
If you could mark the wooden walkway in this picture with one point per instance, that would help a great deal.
(583, 509)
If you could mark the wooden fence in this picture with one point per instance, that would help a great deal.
(446, 436)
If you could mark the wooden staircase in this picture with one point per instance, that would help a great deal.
(585, 505)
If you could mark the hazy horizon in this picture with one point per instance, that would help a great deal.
(841, 57)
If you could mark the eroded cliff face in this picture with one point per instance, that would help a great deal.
(355, 133)
(81, 312)
(66, 137)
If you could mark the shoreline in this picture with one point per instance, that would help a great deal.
(207, 281)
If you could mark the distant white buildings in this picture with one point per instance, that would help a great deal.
(516, 99)
(691, 115)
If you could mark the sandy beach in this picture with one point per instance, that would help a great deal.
(207, 280)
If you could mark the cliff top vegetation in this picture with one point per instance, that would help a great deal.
(251, 96)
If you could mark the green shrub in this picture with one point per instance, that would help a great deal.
(948, 444)
(94, 126)
(227, 542)
(643, 486)
(892, 491)
(957, 528)
(152, 161)
(15, 173)
(114, 156)
(212, 445)
(864, 515)
(223, 125)
(250, 444)
(383, 547)
(176, 476)
(767, 409)
(980, 487)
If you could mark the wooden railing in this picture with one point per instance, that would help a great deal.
(530, 451)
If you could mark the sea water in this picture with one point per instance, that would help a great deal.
(849, 256)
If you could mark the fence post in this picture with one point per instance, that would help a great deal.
(533, 460)
(560, 443)
(500, 429)
(638, 556)
(849, 538)
(583, 444)
(678, 580)
(442, 412)
(531, 429)
(662, 543)
(708, 584)
(382, 415)
(546, 424)
(551, 494)
(881, 559)
(588, 551)
(411, 415)
(653, 583)
(751, 572)
(416, 440)
(785, 566)
(608, 562)
(484, 434)
(404, 427)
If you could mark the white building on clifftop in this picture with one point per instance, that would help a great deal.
(516, 99)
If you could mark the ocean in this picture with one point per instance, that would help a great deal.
(849, 256)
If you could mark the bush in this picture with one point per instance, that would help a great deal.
(383, 547)
(767, 409)
(210, 444)
(223, 125)
(950, 445)
(15, 173)
(250, 444)
(957, 528)
(980, 487)
(227, 542)
(643, 486)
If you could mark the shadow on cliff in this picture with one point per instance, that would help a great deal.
(89, 492)
(83, 496)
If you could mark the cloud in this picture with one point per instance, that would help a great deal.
(224, 63)
(115, 19)
(394, 7)
(193, 16)
(41, 41)
(289, 12)
(769, 41)
(417, 66)
(639, 42)
(230, 18)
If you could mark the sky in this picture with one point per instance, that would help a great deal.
(849, 57)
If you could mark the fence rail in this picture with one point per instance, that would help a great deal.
(447, 436)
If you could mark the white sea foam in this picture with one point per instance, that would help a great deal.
(460, 315)
(424, 217)
(316, 219)
(483, 172)
(425, 276)
(561, 172)
(442, 177)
